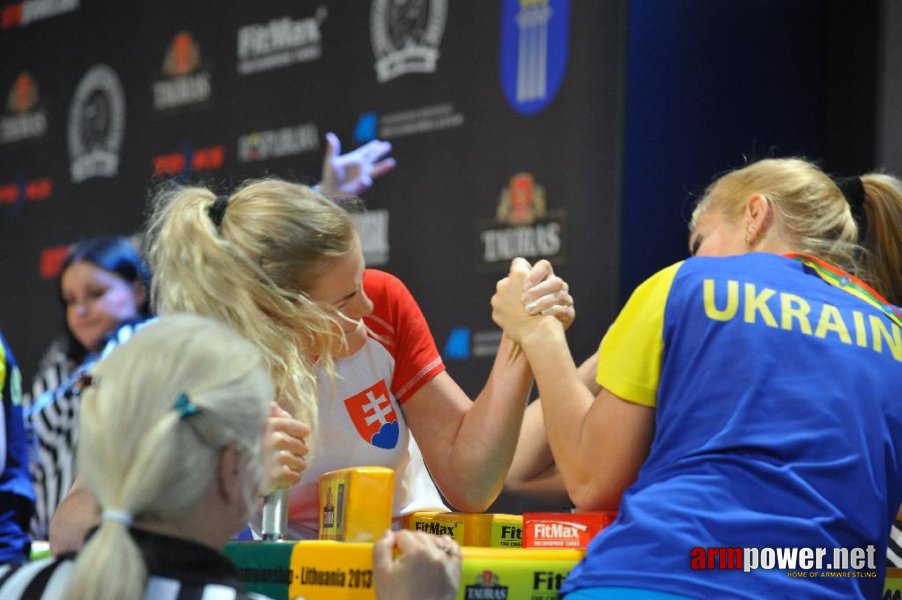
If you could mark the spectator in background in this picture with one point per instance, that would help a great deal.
(104, 286)
(16, 496)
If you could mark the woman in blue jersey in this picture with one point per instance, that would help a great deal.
(749, 398)
(16, 494)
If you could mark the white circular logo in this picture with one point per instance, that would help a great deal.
(406, 35)
(96, 124)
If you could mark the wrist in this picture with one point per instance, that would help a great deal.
(546, 329)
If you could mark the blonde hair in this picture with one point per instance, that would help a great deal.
(882, 260)
(251, 272)
(814, 216)
(139, 457)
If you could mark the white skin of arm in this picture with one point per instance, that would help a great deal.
(599, 441)
(469, 445)
(73, 518)
(533, 472)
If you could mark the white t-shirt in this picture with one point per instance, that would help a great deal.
(360, 417)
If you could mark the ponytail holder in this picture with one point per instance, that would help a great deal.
(184, 407)
(117, 516)
(217, 210)
(852, 189)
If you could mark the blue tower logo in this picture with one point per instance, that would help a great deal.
(534, 39)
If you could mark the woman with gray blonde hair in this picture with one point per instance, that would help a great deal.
(169, 447)
(747, 398)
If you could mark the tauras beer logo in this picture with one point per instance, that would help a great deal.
(406, 35)
(487, 587)
(523, 225)
(96, 124)
(184, 83)
(25, 119)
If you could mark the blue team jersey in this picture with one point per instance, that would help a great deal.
(778, 399)
(16, 494)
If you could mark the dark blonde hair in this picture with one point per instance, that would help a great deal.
(815, 217)
(251, 270)
(882, 259)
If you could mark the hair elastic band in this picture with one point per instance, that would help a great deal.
(184, 407)
(852, 189)
(117, 516)
(217, 210)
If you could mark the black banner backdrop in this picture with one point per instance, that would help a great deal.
(506, 119)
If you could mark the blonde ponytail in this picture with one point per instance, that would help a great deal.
(250, 270)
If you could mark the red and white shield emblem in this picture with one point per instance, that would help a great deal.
(374, 416)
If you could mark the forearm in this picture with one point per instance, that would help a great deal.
(565, 402)
(484, 447)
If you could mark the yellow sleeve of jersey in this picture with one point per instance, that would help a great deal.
(629, 358)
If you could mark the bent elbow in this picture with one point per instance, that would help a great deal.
(592, 497)
(470, 502)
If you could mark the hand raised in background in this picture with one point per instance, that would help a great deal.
(353, 173)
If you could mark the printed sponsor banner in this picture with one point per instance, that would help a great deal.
(188, 160)
(406, 36)
(407, 122)
(24, 13)
(278, 143)
(96, 124)
(534, 40)
(26, 190)
(184, 82)
(280, 42)
(25, 118)
(372, 229)
(523, 226)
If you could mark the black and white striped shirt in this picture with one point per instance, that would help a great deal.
(51, 417)
(894, 552)
(178, 570)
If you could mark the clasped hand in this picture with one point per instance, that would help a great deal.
(528, 294)
(284, 450)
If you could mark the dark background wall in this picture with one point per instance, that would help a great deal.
(645, 103)
(713, 85)
(889, 111)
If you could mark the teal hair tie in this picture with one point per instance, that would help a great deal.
(184, 407)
